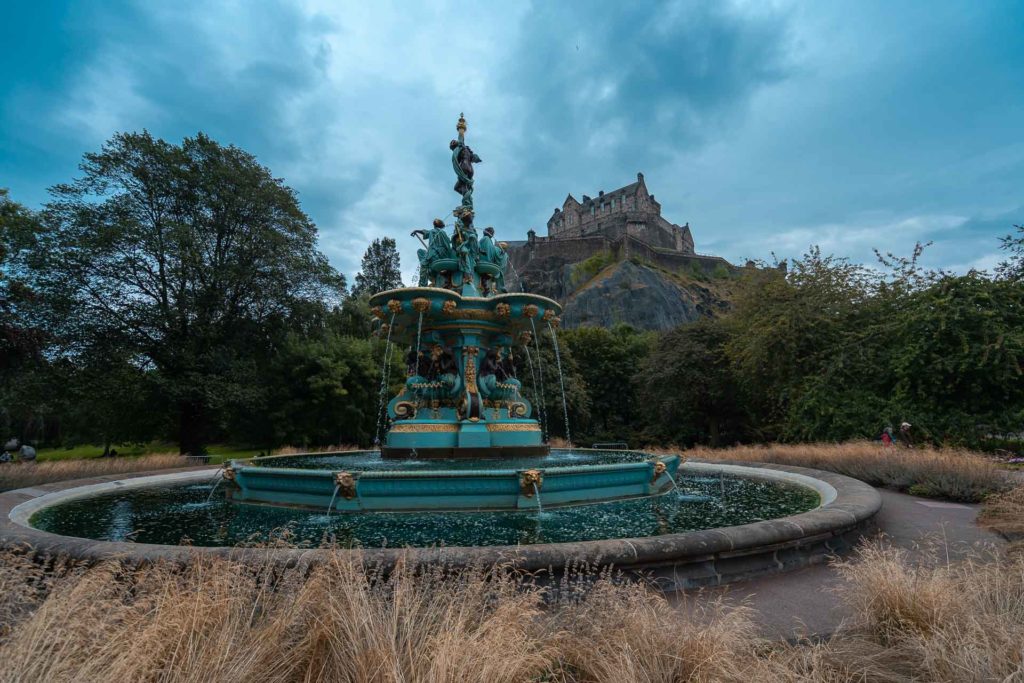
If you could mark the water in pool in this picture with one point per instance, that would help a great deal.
(181, 513)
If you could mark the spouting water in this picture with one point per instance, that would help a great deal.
(419, 333)
(675, 487)
(385, 374)
(515, 272)
(541, 412)
(561, 384)
(536, 492)
(219, 478)
(330, 506)
(536, 390)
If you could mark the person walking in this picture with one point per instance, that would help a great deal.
(887, 437)
(905, 438)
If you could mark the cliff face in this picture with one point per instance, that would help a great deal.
(629, 292)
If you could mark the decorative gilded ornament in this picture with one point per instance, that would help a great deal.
(420, 305)
(659, 469)
(461, 125)
(228, 473)
(395, 306)
(448, 307)
(503, 310)
(346, 483)
(405, 410)
(525, 338)
(377, 312)
(548, 315)
(530, 310)
(516, 410)
(531, 482)
(555, 322)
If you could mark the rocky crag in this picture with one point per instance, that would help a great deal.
(602, 292)
(614, 258)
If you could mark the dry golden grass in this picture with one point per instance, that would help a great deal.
(295, 450)
(949, 473)
(20, 474)
(1004, 514)
(341, 621)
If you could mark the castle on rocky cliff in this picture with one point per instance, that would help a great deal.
(625, 224)
(629, 210)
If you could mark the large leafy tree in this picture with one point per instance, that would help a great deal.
(380, 269)
(608, 362)
(688, 392)
(189, 257)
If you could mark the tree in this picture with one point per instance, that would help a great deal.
(23, 387)
(380, 269)
(190, 257)
(688, 390)
(1013, 267)
(608, 362)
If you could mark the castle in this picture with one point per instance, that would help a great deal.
(625, 223)
(629, 210)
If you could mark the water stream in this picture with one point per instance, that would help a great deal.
(219, 478)
(542, 411)
(330, 506)
(536, 390)
(384, 378)
(536, 492)
(519, 280)
(561, 384)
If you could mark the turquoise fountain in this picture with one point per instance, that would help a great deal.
(461, 398)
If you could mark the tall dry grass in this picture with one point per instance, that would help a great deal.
(341, 621)
(16, 475)
(950, 473)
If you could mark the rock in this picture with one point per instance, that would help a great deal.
(624, 292)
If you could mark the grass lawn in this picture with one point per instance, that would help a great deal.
(218, 453)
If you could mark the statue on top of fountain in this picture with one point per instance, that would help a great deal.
(467, 262)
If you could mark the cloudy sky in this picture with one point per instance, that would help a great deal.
(768, 126)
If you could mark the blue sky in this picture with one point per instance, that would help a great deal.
(768, 126)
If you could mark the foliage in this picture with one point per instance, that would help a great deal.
(380, 270)
(689, 391)
(608, 362)
(186, 260)
(911, 617)
(591, 266)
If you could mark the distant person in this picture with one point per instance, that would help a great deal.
(887, 437)
(905, 439)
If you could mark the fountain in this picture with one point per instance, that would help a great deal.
(461, 398)
(464, 473)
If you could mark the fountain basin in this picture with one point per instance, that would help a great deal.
(481, 489)
(679, 556)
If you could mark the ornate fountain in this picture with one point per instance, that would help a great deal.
(462, 398)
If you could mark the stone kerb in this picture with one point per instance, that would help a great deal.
(683, 560)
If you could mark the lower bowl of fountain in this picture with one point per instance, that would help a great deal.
(364, 483)
(726, 521)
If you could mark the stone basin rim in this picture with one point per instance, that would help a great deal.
(845, 516)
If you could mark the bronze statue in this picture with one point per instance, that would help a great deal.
(463, 159)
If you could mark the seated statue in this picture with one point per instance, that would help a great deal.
(438, 246)
(495, 377)
(493, 252)
(436, 378)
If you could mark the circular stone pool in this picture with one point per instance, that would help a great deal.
(723, 521)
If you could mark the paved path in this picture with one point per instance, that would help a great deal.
(801, 602)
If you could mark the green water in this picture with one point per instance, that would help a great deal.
(181, 513)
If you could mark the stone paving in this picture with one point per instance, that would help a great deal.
(802, 602)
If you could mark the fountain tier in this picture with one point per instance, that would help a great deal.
(461, 396)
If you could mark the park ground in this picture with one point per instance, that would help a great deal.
(937, 595)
